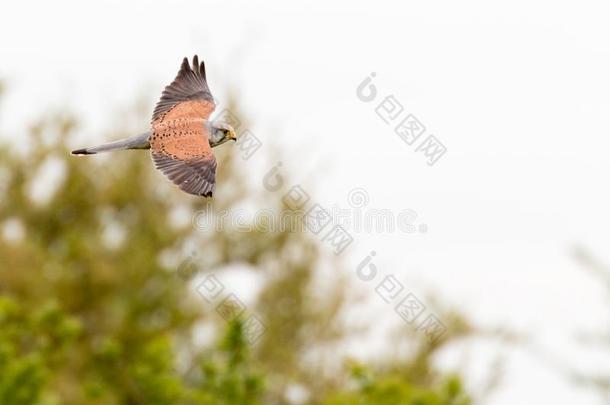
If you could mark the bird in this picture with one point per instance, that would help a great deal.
(181, 135)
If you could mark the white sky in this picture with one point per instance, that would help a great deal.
(517, 92)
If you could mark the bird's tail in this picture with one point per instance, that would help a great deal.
(135, 142)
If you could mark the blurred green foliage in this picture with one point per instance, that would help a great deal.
(93, 309)
(392, 389)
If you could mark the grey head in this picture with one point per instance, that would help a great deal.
(220, 132)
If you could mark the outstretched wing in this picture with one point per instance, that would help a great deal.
(179, 140)
(189, 84)
(194, 176)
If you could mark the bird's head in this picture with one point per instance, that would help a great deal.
(221, 132)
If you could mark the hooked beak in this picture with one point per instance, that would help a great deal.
(232, 135)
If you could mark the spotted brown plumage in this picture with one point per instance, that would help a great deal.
(182, 136)
(179, 141)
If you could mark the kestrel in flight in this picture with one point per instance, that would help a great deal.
(181, 137)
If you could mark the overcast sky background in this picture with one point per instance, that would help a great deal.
(518, 93)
